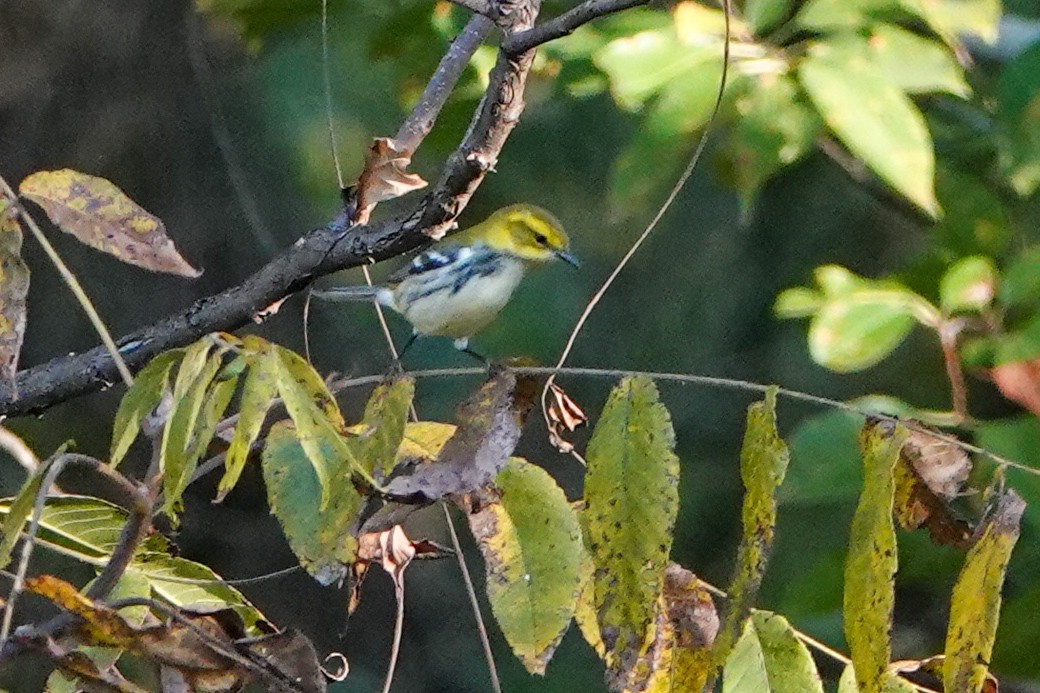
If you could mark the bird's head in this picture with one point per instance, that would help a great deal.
(526, 232)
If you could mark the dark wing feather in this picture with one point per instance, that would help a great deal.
(426, 261)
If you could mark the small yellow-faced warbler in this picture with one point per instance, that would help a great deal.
(456, 287)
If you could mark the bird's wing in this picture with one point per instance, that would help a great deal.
(430, 260)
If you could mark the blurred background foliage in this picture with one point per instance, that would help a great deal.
(887, 151)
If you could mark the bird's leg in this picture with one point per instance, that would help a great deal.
(463, 346)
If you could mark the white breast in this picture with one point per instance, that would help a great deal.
(465, 312)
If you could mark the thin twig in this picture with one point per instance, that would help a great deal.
(27, 546)
(17, 449)
(665, 206)
(710, 381)
(484, 640)
(71, 282)
(395, 648)
(949, 333)
(327, 78)
(566, 23)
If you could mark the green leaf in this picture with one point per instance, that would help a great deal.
(969, 284)
(188, 584)
(798, 302)
(191, 395)
(768, 657)
(975, 602)
(18, 511)
(856, 331)
(258, 393)
(532, 548)
(873, 117)
(140, 400)
(322, 537)
(763, 16)
(313, 409)
(975, 221)
(1019, 120)
(763, 463)
(823, 15)
(386, 415)
(662, 142)
(953, 18)
(870, 567)
(1020, 285)
(641, 65)
(916, 64)
(87, 529)
(774, 130)
(631, 495)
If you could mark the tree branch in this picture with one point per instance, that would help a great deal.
(331, 248)
(483, 7)
(566, 23)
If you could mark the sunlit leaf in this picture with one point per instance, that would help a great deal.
(423, 441)
(916, 64)
(774, 128)
(975, 602)
(844, 14)
(890, 683)
(87, 529)
(188, 584)
(18, 510)
(870, 566)
(763, 463)
(258, 393)
(313, 410)
(631, 495)
(14, 287)
(139, 402)
(100, 215)
(873, 117)
(768, 658)
(855, 332)
(532, 549)
(192, 393)
(322, 537)
(385, 419)
(969, 284)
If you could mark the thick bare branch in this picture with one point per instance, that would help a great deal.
(566, 23)
(325, 250)
(484, 7)
(420, 121)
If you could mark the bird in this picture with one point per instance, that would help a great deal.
(456, 287)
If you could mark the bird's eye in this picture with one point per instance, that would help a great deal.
(540, 239)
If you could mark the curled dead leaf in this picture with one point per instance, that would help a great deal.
(563, 412)
(385, 176)
(929, 476)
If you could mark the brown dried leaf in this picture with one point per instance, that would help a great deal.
(563, 413)
(198, 651)
(678, 657)
(14, 286)
(394, 551)
(385, 176)
(100, 215)
(489, 424)
(1020, 382)
(929, 673)
(929, 474)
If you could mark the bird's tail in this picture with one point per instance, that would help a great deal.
(348, 293)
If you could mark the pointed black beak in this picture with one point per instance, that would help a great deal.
(568, 258)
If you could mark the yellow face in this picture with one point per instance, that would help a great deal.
(526, 232)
